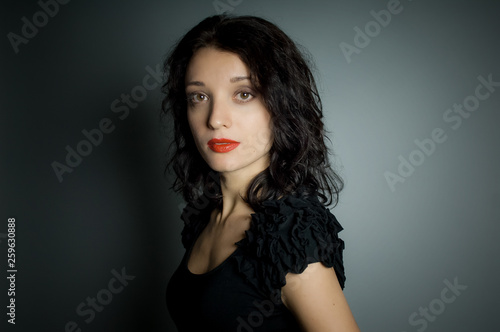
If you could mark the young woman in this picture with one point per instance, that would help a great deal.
(262, 251)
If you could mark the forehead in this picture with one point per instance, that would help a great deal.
(212, 65)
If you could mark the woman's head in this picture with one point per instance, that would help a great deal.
(230, 124)
(281, 81)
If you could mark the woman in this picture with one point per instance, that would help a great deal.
(262, 251)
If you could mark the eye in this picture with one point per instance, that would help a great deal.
(244, 96)
(197, 97)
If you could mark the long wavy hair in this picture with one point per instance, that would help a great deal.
(281, 75)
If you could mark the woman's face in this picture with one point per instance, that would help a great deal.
(229, 122)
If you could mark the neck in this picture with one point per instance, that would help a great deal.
(234, 186)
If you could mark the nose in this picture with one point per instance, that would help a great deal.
(220, 115)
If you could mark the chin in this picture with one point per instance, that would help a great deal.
(221, 168)
(223, 164)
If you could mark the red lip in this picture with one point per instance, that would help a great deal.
(222, 145)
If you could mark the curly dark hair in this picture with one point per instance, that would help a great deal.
(282, 77)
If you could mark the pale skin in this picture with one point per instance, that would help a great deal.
(224, 104)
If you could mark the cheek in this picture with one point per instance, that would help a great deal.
(265, 134)
(264, 138)
(196, 134)
(194, 126)
(260, 139)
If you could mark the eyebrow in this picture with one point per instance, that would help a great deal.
(239, 78)
(232, 80)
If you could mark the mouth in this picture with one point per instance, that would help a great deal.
(222, 145)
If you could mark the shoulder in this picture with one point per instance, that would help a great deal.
(288, 234)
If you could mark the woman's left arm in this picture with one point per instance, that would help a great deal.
(316, 299)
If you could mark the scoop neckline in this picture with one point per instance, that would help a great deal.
(218, 267)
(212, 271)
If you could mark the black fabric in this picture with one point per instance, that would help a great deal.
(244, 292)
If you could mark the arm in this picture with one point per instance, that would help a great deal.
(316, 299)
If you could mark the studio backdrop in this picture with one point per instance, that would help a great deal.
(90, 231)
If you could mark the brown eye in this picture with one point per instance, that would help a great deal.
(244, 96)
(197, 97)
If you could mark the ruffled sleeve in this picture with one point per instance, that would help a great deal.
(285, 236)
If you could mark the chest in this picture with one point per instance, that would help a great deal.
(223, 300)
(215, 244)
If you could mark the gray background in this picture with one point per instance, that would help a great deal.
(115, 210)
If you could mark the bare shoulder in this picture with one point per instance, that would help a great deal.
(316, 299)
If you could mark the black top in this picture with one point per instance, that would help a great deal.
(243, 293)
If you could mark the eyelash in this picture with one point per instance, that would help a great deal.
(191, 97)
